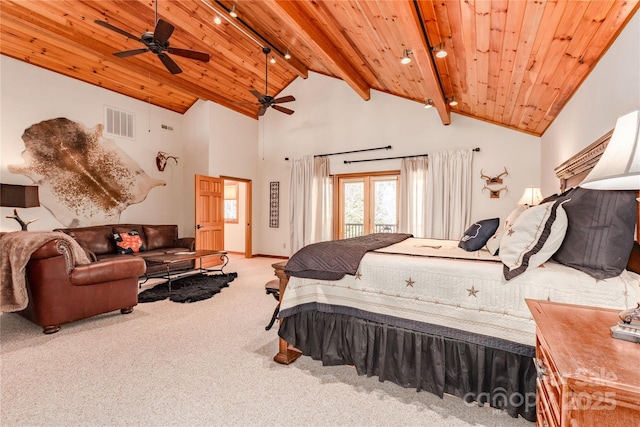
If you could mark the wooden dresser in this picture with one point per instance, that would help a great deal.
(585, 377)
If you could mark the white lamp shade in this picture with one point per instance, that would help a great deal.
(531, 196)
(619, 166)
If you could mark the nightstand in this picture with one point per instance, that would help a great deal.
(585, 377)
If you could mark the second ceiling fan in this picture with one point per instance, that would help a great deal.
(266, 101)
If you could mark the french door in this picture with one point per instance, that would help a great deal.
(365, 203)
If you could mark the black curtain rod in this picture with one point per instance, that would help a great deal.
(393, 158)
(388, 147)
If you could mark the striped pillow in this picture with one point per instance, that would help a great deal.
(534, 237)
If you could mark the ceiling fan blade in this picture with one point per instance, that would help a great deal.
(169, 63)
(162, 31)
(257, 95)
(117, 30)
(191, 54)
(262, 110)
(283, 110)
(284, 99)
(128, 53)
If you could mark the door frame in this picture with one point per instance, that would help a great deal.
(248, 212)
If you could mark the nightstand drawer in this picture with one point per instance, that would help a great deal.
(548, 409)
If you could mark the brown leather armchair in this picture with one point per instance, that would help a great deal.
(57, 296)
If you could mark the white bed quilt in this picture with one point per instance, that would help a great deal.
(465, 294)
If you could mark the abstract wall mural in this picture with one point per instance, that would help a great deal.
(84, 178)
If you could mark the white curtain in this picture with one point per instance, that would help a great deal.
(411, 211)
(309, 202)
(435, 199)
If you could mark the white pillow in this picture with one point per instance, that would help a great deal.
(534, 237)
(493, 244)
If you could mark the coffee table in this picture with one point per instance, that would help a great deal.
(170, 258)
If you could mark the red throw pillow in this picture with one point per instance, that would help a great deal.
(128, 243)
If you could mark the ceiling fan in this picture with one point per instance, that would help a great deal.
(158, 43)
(266, 101)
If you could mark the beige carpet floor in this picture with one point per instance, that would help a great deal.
(207, 363)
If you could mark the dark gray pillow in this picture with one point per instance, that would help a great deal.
(477, 235)
(599, 236)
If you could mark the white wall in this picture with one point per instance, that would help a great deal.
(331, 117)
(234, 233)
(611, 90)
(29, 95)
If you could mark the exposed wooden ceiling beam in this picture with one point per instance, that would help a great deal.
(422, 55)
(292, 15)
(292, 64)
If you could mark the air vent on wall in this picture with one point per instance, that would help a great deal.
(118, 122)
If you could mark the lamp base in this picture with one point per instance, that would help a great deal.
(623, 331)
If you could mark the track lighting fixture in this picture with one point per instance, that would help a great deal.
(452, 101)
(405, 58)
(233, 12)
(439, 50)
(429, 103)
(217, 20)
(287, 55)
(272, 60)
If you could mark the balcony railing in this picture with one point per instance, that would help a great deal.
(355, 230)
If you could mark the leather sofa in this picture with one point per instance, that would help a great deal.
(61, 292)
(98, 242)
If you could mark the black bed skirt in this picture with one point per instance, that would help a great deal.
(419, 360)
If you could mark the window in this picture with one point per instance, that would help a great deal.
(231, 202)
(366, 204)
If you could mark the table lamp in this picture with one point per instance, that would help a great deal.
(19, 196)
(531, 197)
(619, 169)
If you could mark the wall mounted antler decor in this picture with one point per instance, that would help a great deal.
(161, 160)
(495, 194)
(495, 179)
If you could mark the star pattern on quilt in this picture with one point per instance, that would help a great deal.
(358, 275)
(510, 231)
(473, 291)
(410, 282)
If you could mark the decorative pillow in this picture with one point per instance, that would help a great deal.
(493, 244)
(534, 237)
(600, 233)
(128, 243)
(477, 235)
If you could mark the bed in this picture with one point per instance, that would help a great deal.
(428, 315)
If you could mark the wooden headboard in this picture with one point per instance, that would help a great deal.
(575, 169)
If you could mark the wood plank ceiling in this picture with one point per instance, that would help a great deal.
(512, 63)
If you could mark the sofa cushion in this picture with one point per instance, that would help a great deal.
(98, 240)
(160, 236)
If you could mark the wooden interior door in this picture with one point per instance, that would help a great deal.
(209, 221)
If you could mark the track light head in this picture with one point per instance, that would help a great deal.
(405, 57)
(217, 20)
(429, 103)
(233, 12)
(287, 55)
(452, 101)
(439, 50)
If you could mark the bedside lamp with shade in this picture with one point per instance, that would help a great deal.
(19, 196)
(531, 197)
(619, 169)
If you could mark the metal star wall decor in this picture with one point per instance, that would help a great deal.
(473, 291)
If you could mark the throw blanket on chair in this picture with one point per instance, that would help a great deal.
(16, 249)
